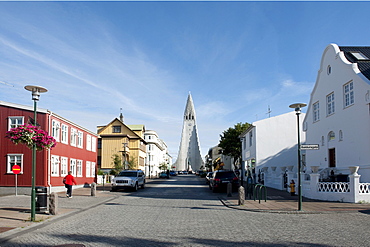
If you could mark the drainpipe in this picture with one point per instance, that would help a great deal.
(49, 154)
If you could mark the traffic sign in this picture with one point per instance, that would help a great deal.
(310, 146)
(16, 169)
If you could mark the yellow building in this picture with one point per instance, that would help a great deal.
(119, 138)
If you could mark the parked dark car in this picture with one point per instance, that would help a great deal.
(173, 173)
(221, 178)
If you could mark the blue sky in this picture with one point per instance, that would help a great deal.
(236, 59)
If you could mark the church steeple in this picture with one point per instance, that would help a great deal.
(189, 156)
(189, 113)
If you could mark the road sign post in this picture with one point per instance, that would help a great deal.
(16, 169)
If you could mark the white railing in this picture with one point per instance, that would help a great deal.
(335, 187)
(364, 188)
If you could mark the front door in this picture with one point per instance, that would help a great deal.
(332, 157)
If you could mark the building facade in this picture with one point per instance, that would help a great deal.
(156, 154)
(269, 150)
(117, 138)
(338, 119)
(76, 151)
(189, 155)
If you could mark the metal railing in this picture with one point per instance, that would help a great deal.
(258, 188)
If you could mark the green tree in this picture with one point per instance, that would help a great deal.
(230, 142)
(117, 164)
(163, 166)
(131, 164)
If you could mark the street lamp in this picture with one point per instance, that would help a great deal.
(36, 90)
(297, 107)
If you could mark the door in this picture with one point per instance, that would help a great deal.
(332, 162)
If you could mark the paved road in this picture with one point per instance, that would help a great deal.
(182, 211)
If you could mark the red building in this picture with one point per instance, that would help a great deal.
(75, 151)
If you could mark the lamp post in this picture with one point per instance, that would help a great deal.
(36, 90)
(297, 107)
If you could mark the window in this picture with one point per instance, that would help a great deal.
(250, 138)
(330, 104)
(93, 144)
(331, 136)
(329, 70)
(88, 142)
(14, 122)
(92, 169)
(73, 137)
(349, 97)
(116, 129)
(340, 135)
(64, 134)
(73, 167)
(55, 165)
(79, 168)
(55, 126)
(14, 159)
(88, 170)
(64, 166)
(79, 139)
(316, 111)
(359, 55)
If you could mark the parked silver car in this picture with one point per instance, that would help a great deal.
(129, 179)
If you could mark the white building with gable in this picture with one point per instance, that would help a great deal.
(338, 119)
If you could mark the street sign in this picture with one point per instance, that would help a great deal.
(16, 169)
(310, 146)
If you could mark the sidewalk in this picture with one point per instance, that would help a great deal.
(15, 212)
(282, 202)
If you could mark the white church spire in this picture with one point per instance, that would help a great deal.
(189, 156)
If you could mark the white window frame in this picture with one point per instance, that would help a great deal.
(330, 104)
(72, 166)
(250, 138)
(348, 94)
(19, 120)
(92, 169)
(88, 169)
(64, 137)
(55, 164)
(316, 111)
(73, 137)
(93, 144)
(80, 139)
(88, 142)
(79, 168)
(64, 166)
(55, 130)
(18, 160)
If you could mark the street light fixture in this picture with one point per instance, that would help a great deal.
(36, 90)
(297, 107)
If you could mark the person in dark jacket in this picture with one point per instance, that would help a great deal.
(69, 180)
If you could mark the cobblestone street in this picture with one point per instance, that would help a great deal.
(182, 211)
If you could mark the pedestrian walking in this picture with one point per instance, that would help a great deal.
(68, 181)
(292, 188)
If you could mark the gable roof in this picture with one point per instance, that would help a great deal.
(363, 65)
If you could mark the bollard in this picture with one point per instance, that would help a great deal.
(241, 195)
(93, 189)
(53, 204)
(229, 189)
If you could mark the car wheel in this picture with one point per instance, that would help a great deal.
(214, 190)
(136, 187)
(143, 185)
(113, 189)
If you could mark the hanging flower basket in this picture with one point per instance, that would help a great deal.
(29, 135)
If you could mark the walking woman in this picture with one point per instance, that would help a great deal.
(69, 180)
